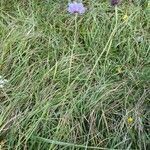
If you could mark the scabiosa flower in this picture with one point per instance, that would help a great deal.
(115, 2)
(76, 7)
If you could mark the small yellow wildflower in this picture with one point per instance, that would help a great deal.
(119, 69)
(130, 120)
(125, 17)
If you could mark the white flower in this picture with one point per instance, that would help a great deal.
(2, 82)
(139, 38)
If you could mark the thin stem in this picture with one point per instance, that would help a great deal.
(116, 14)
(113, 32)
(73, 47)
(107, 46)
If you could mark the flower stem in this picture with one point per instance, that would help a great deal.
(73, 47)
(113, 33)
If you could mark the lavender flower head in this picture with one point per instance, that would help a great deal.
(115, 2)
(76, 7)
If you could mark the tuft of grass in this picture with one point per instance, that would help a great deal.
(74, 81)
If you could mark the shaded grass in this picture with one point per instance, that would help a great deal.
(72, 91)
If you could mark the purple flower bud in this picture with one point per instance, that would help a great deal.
(115, 2)
(76, 8)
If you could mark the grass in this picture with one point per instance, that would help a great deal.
(74, 81)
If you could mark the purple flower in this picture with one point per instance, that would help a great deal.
(114, 2)
(76, 8)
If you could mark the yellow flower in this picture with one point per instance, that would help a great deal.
(119, 69)
(125, 17)
(130, 120)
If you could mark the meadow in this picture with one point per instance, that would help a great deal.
(74, 82)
